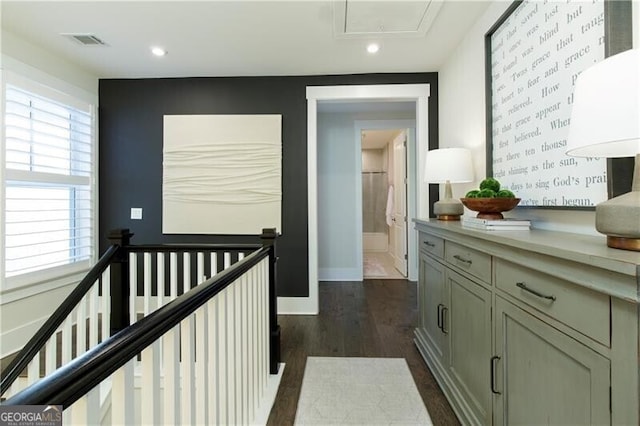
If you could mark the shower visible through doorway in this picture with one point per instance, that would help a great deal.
(377, 203)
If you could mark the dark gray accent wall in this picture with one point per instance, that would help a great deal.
(130, 155)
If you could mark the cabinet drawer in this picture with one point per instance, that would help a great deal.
(474, 262)
(580, 308)
(432, 245)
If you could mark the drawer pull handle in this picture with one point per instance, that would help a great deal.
(493, 374)
(462, 259)
(535, 292)
(439, 313)
(444, 313)
(429, 244)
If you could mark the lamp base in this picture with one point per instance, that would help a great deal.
(448, 209)
(619, 219)
(624, 243)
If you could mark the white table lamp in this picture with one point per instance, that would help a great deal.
(448, 165)
(605, 122)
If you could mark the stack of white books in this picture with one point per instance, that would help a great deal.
(507, 224)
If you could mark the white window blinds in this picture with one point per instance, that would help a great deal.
(49, 170)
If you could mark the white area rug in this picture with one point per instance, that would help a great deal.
(359, 391)
(373, 268)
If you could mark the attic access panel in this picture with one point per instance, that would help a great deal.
(354, 18)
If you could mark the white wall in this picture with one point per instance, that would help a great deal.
(461, 84)
(23, 310)
(338, 193)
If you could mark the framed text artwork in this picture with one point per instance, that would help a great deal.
(534, 54)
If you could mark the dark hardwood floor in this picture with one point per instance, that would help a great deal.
(371, 319)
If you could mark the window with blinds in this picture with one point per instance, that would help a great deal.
(49, 170)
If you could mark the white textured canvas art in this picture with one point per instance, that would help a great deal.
(222, 174)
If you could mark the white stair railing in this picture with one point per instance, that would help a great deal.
(84, 327)
(212, 368)
(207, 359)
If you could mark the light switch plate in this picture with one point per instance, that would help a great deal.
(136, 213)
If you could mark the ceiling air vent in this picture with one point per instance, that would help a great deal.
(86, 39)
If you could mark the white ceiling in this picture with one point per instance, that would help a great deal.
(242, 38)
(378, 139)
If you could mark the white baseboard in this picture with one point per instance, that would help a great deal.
(296, 306)
(340, 274)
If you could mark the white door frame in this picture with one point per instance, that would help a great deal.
(419, 93)
(408, 126)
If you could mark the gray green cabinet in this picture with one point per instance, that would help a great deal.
(533, 327)
(469, 328)
(542, 376)
(432, 305)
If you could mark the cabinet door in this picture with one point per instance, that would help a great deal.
(468, 324)
(432, 300)
(545, 376)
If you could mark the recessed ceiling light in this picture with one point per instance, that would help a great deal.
(373, 48)
(158, 51)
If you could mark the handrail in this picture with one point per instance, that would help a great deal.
(189, 247)
(37, 342)
(71, 381)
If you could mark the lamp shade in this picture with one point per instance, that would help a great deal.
(448, 164)
(605, 118)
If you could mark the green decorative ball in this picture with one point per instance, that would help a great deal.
(486, 193)
(490, 183)
(505, 193)
(472, 194)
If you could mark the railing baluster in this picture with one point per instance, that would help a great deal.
(266, 333)
(200, 278)
(33, 370)
(81, 327)
(86, 410)
(187, 372)
(50, 355)
(171, 370)
(133, 287)
(150, 385)
(105, 310)
(212, 361)
(160, 284)
(227, 259)
(173, 275)
(253, 400)
(237, 332)
(147, 296)
(214, 263)
(94, 307)
(222, 368)
(66, 338)
(186, 272)
(202, 363)
(122, 395)
(245, 346)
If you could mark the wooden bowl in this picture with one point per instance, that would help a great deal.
(490, 208)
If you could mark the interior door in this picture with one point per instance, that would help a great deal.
(400, 203)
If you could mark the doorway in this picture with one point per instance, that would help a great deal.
(384, 203)
(418, 93)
